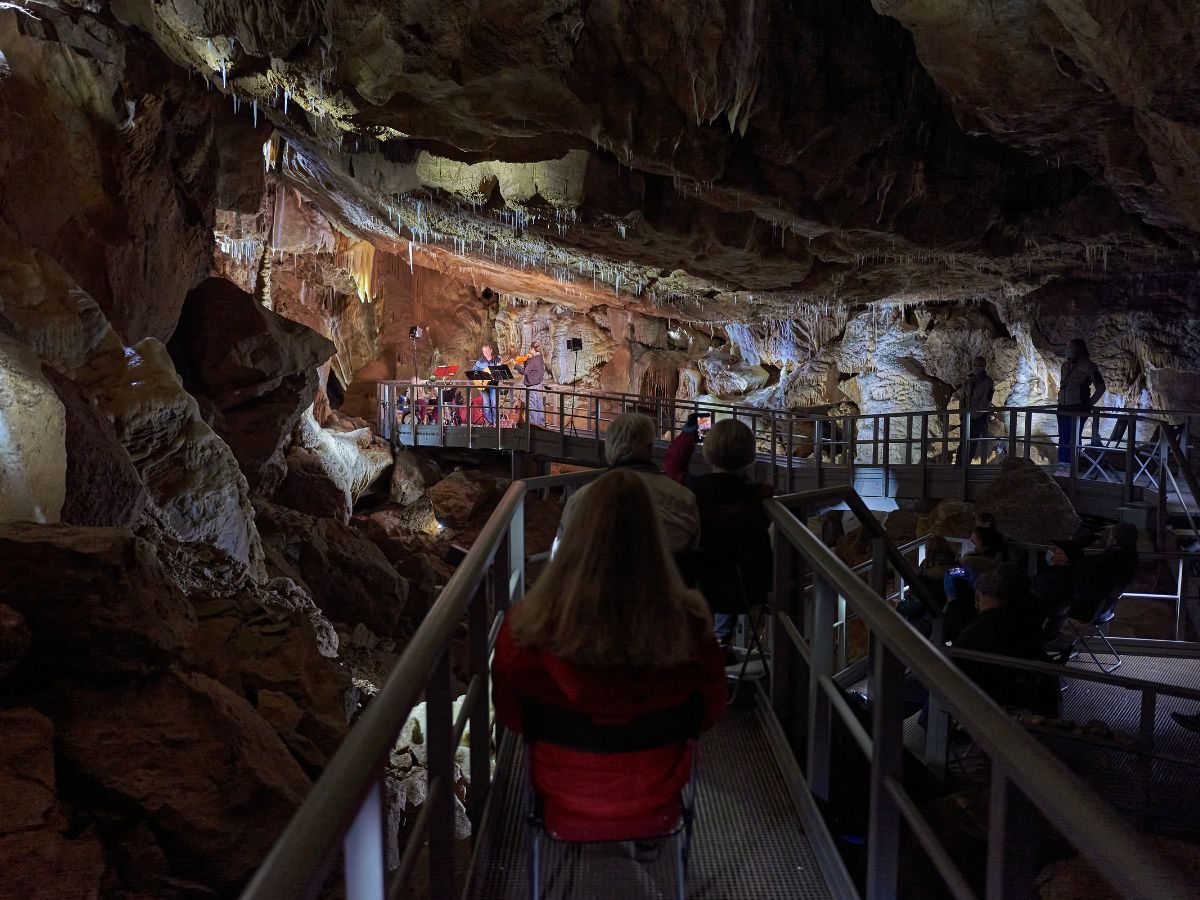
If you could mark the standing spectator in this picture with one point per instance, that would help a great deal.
(1080, 387)
(975, 402)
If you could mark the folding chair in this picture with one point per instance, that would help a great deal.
(1105, 611)
(673, 822)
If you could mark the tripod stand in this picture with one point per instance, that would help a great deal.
(574, 380)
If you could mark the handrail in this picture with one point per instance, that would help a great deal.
(293, 867)
(1025, 776)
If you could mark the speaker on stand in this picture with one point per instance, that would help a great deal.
(574, 345)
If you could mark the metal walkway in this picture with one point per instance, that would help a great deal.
(748, 842)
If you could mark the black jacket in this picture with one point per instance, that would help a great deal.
(734, 566)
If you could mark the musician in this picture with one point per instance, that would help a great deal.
(533, 368)
(491, 395)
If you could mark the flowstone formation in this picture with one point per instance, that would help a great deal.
(219, 222)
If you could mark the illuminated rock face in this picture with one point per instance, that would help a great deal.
(33, 452)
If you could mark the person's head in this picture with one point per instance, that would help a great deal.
(938, 550)
(986, 519)
(1005, 585)
(1123, 535)
(612, 596)
(1076, 350)
(988, 540)
(729, 446)
(536, 347)
(979, 365)
(630, 438)
(488, 350)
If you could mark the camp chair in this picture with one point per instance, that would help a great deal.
(565, 728)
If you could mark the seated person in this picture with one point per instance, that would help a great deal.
(734, 567)
(939, 558)
(1007, 625)
(987, 550)
(609, 631)
(1107, 574)
(1054, 587)
(629, 445)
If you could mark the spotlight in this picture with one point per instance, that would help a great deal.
(574, 343)
(416, 332)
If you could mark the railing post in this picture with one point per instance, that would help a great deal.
(1028, 433)
(785, 657)
(1130, 455)
(596, 426)
(1012, 830)
(478, 631)
(887, 738)
(1012, 434)
(363, 849)
(819, 711)
(412, 412)
(818, 428)
(924, 454)
(439, 721)
(791, 452)
(937, 727)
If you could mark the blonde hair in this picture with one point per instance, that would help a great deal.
(630, 437)
(730, 445)
(612, 596)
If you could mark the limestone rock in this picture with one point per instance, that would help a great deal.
(309, 487)
(726, 375)
(349, 578)
(1028, 504)
(35, 855)
(33, 453)
(284, 596)
(351, 453)
(460, 495)
(95, 599)
(14, 638)
(412, 475)
(218, 797)
(103, 487)
(272, 658)
(950, 518)
(188, 470)
(257, 369)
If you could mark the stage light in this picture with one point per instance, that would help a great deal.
(416, 332)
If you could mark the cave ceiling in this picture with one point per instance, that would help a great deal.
(725, 160)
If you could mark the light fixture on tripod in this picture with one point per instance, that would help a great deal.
(415, 333)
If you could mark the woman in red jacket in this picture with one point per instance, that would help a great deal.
(609, 633)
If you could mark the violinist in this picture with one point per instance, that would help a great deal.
(532, 367)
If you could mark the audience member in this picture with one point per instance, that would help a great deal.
(610, 634)
(939, 558)
(975, 402)
(1007, 625)
(629, 445)
(1080, 387)
(1055, 586)
(1102, 578)
(733, 567)
(986, 550)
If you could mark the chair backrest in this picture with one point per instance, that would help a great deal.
(1106, 609)
(579, 731)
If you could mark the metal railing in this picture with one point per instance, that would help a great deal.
(1144, 449)
(346, 808)
(1027, 783)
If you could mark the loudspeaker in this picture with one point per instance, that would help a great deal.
(574, 343)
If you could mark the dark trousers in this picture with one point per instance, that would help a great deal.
(1069, 424)
(974, 435)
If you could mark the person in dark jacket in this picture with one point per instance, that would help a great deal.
(1105, 576)
(939, 559)
(735, 563)
(533, 370)
(609, 633)
(975, 401)
(988, 550)
(1080, 387)
(679, 453)
(1054, 587)
(1007, 625)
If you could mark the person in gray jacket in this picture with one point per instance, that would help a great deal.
(533, 370)
(1080, 387)
(975, 401)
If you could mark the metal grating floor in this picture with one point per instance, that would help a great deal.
(748, 840)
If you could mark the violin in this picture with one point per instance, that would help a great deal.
(524, 358)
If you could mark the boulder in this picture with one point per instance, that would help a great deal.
(950, 518)
(256, 370)
(310, 487)
(103, 487)
(35, 855)
(189, 756)
(189, 472)
(14, 638)
(94, 599)
(412, 475)
(460, 495)
(355, 458)
(349, 579)
(33, 452)
(271, 656)
(1028, 504)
